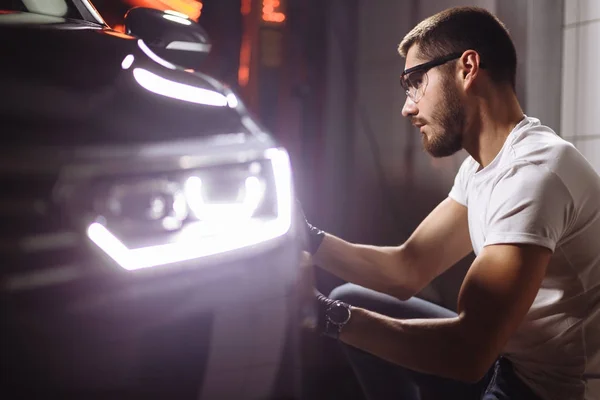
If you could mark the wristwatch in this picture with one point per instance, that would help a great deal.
(337, 316)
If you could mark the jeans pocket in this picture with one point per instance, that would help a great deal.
(493, 379)
(506, 385)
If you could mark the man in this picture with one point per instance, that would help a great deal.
(525, 201)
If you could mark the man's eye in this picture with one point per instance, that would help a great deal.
(415, 80)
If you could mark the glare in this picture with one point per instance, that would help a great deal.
(283, 182)
(127, 61)
(224, 212)
(190, 246)
(179, 20)
(189, 46)
(193, 194)
(202, 239)
(176, 13)
(176, 90)
(180, 206)
(232, 101)
(255, 193)
(153, 56)
(109, 243)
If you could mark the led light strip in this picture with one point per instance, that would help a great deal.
(176, 90)
(193, 245)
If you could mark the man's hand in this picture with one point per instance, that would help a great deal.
(314, 235)
(401, 271)
(316, 318)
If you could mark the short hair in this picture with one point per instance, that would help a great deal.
(458, 29)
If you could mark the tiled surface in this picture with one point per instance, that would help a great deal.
(587, 109)
(590, 148)
(580, 97)
(571, 11)
(588, 10)
(569, 83)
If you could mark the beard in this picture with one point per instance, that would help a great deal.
(451, 118)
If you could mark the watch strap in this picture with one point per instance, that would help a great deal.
(333, 329)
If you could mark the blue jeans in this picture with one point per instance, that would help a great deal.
(382, 380)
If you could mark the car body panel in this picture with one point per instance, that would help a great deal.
(77, 325)
(98, 93)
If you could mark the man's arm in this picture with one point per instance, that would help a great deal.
(441, 240)
(497, 292)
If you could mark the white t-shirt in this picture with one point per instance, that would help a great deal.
(540, 190)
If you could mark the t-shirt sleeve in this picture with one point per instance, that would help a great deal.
(529, 205)
(459, 189)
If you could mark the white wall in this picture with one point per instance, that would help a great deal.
(580, 122)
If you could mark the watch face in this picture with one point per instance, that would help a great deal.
(338, 314)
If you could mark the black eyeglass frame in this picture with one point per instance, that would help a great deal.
(427, 66)
(430, 64)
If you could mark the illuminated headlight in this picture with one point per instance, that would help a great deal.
(150, 221)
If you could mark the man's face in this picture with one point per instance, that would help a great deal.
(439, 111)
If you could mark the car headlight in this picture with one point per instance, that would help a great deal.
(146, 221)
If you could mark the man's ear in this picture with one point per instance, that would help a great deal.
(469, 66)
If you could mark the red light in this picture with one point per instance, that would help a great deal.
(245, 56)
(246, 7)
(191, 8)
(243, 75)
(270, 11)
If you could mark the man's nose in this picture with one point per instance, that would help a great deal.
(409, 108)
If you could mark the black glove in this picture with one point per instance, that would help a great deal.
(332, 315)
(314, 235)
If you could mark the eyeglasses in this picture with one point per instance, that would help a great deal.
(414, 80)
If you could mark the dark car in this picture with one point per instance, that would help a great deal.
(147, 243)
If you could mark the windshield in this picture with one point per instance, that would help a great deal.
(54, 8)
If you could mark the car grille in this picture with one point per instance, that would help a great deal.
(38, 241)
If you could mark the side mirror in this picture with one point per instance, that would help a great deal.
(170, 34)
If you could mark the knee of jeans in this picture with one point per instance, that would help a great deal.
(359, 296)
(348, 293)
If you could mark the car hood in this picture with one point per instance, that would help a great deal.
(70, 82)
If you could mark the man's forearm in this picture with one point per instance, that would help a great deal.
(434, 346)
(378, 268)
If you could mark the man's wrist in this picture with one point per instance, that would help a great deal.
(315, 239)
(337, 315)
(314, 236)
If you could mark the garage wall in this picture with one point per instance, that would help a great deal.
(378, 182)
(580, 106)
